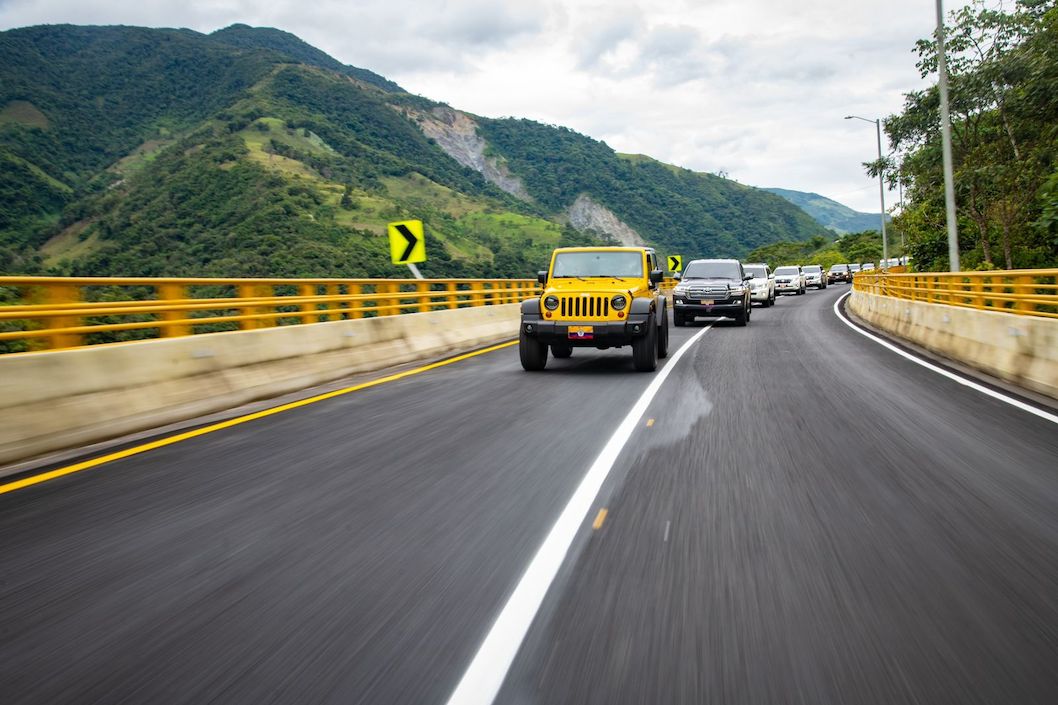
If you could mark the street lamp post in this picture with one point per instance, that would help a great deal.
(881, 184)
(945, 139)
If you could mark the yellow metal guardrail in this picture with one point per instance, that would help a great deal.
(1030, 292)
(38, 313)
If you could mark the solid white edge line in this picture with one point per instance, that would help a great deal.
(484, 676)
(940, 370)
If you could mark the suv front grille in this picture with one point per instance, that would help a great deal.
(707, 292)
(580, 306)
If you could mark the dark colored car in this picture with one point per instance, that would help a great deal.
(839, 273)
(711, 288)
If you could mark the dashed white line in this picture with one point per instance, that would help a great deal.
(941, 371)
(484, 676)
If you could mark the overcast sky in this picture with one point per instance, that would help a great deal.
(753, 88)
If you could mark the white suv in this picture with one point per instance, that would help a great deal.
(789, 280)
(814, 276)
(762, 285)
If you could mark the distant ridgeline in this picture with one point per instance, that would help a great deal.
(829, 213)
(247, 152)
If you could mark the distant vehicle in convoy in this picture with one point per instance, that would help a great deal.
(814, 276)
(789, 280)
(839, 273)
(762, 285)
(866, 266)
(853, 269)
(712, 288)
(597, 297)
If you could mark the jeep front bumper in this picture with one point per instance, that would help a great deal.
(602, 334)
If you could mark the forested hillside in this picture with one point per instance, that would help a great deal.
(828, 212)
(130, 151)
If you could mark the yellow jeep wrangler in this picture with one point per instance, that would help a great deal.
(597, 297)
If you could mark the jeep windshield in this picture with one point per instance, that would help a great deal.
(712, 270)
(598, 264)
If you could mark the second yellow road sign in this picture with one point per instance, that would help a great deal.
(407, 244)
(675, 263)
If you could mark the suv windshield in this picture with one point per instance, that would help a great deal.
(712, 270)
(840, 268)
(787, 271)
(598, 264)
(812, 269)
(756, 270)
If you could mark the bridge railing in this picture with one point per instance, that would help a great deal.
(51, 313)
(1031, 292)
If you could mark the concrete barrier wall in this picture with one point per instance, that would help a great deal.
(1016, 348)
(55, 400)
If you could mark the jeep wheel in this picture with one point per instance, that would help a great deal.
(532, 352)
(663, 335)
(560, 351)
(645, 349)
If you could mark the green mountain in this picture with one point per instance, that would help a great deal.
(829, 213)
(247, 152)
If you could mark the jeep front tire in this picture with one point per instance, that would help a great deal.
(532, 352)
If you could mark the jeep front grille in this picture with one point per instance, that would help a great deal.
(581, 307)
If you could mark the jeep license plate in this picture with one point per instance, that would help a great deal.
(580, 332)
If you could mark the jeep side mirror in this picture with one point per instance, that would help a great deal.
(541, 277)
(656, 276)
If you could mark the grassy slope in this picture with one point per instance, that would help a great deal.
(215, 155)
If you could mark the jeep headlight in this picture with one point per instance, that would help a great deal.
(550, 302)
(619, 302)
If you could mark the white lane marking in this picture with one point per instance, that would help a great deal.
(941, 371)
(667, 525)
(482, 680)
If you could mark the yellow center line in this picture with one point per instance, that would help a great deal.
(170, 440)
(599, 519)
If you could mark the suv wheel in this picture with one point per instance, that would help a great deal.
(532, 352)
(678, 320)
(560, 351)
(742, 317)
(645, 349)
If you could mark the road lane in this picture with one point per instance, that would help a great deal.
(810, 518)
(813, 519)
(354, 550)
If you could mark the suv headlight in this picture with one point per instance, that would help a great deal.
(680, 289)
(550, 302)
(619, 302)
(739, 291)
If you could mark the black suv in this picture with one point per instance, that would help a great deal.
(712, 288)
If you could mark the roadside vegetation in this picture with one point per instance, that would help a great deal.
(854, 247)
(1003, 66)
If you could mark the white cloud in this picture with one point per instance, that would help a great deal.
(755, 88)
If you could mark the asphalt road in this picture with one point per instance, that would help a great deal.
(809, 518)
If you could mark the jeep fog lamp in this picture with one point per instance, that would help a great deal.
(551, 303)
